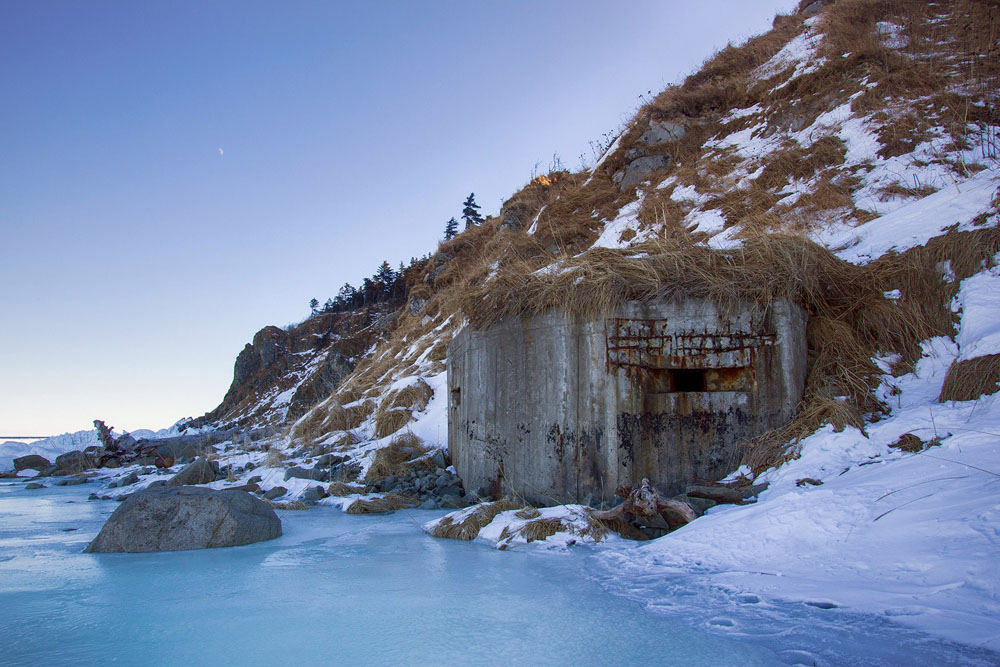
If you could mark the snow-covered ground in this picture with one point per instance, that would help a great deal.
(914, 537)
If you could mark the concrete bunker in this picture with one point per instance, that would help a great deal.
(554, 407)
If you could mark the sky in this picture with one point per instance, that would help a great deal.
(175, 176)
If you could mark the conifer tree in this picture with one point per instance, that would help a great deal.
(451, 229)
(385, 275)
(471, 211)
(313, 305)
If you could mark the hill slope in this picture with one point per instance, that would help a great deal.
(848, 160)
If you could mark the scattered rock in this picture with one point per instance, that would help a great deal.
(813, 8)
(112, 463)
(275, 492)
(329, 460)
(698, 504)
(439, 459)
(31, 462)
(662, 132)
(249, 487)
(256, 479)
(314, 474)
(165, 518)
(642, 169)
(128, 479)
(201, 471)
(72, 463)
(417, 305)
(34, 485)
(73, 481)
(314, 493)
(808, 480)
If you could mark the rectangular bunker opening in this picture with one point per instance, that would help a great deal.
(678, 380)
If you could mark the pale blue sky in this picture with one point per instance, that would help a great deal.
(136, 261)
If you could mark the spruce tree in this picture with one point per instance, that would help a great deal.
(471, 212)
(313, 305)
(451, 229)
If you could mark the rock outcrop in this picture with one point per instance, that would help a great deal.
(31, 462)
(163, 518)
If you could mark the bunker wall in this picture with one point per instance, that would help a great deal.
(554, 407)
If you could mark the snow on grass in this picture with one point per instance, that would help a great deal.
(627, 219)
(916, 222)
(978, 300)
(799, 53)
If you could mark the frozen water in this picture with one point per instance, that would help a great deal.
(347, 590)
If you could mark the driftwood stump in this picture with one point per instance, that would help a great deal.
(648, 508)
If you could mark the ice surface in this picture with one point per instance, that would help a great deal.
(351, 590)
(335, 589)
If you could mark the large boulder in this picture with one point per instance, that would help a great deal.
(200, 471)
(32, 462)
(72, 463)
(163, 518)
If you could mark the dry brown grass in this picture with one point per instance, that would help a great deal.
(414, 396)
(346, 440)
(287, 505)
(275, 459)
(404, 454)
(475, 519)
(968, 380)
(388, 422)
(390, 502)
(341, 489)
(537, 529)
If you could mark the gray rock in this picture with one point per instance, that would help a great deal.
(443, 480)
(642, 169)
(699, 505)
(384, 323)
(314, 493)
(662, 132)
(813, 8)
(417, 305)
(31, 462)
(165, 518)
(72, 481)
(329, 460)
(315, 474)
(130, 478)
(256, 479)
(126, 442)
(275, 492)
(427, 505)
(198, 472)
(452, 490)
(71, 463)
(439, 459)
(34, 485)
(112, 463)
